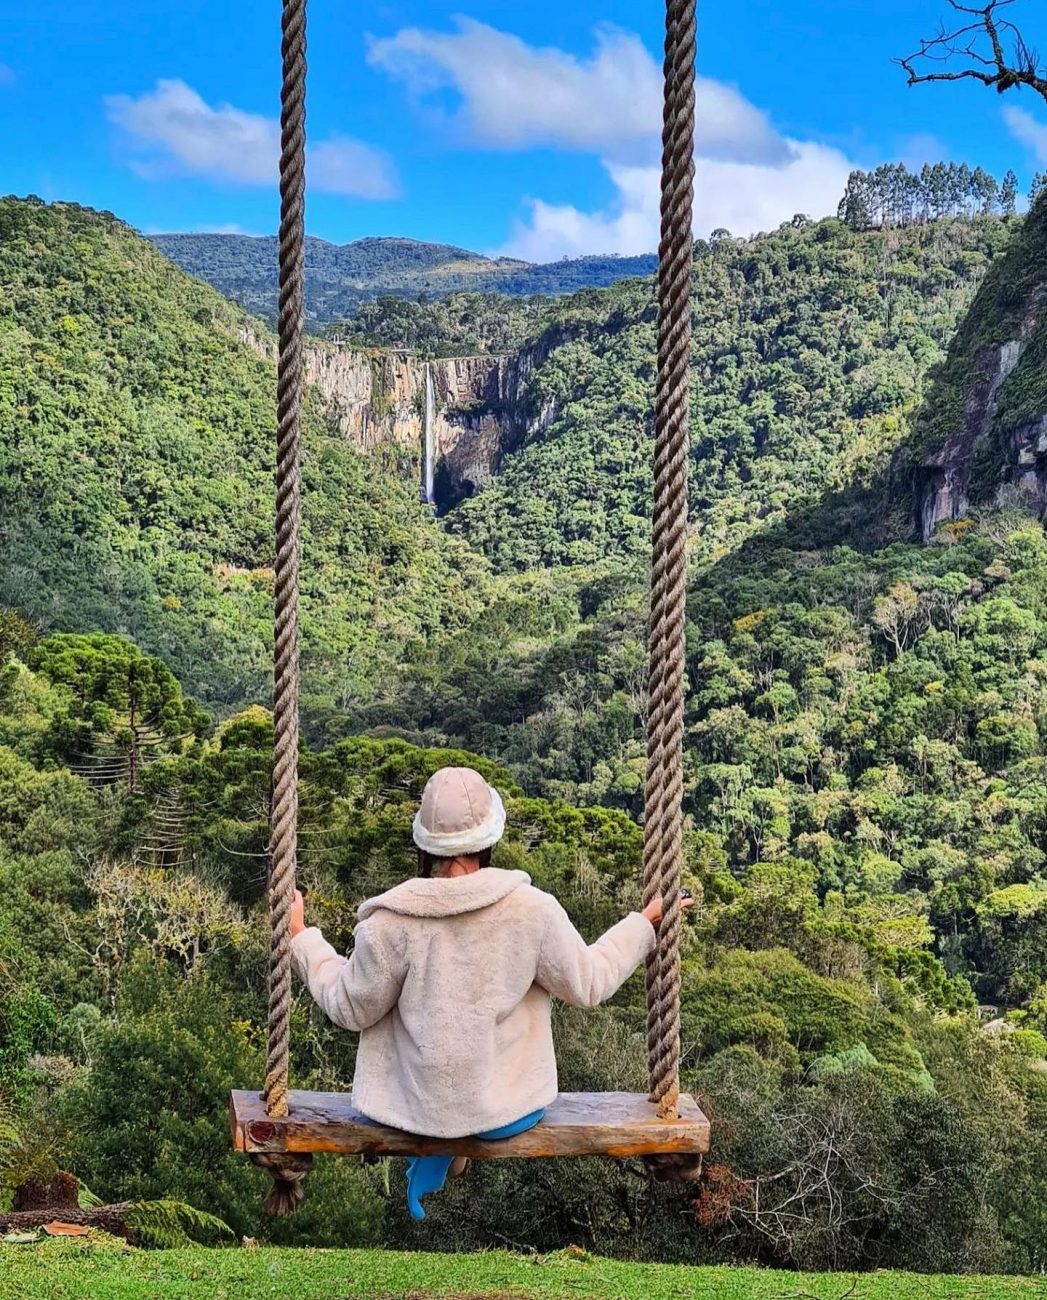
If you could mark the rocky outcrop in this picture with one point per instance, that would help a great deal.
(481, 406)
(483, 410)
(373, 397)
(944, 477)
(981, 435)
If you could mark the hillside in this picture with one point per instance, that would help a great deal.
(812, 347)
(339, 277)
(982, 436)
(863, 1117)
(151, 419)
(136, 480)
(866, 742)
(54, 1272)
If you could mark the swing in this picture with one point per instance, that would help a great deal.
(281, 1129)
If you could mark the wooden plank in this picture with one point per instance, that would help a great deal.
(620, 1124)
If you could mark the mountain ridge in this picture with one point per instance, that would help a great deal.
(339, 277)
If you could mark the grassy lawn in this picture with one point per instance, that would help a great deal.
(73, 1271)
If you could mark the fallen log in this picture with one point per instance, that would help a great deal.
(109, 1218)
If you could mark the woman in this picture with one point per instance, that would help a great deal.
(451, 980)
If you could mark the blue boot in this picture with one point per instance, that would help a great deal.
(427, 1174)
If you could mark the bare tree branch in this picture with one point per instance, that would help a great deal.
(992, 47)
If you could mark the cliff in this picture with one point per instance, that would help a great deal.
(483, 409)
(481, 406)
(982, 435)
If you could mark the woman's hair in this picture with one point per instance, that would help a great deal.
(429, 863)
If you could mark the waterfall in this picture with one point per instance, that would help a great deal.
(429, 434)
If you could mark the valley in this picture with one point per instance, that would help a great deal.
(866, 719)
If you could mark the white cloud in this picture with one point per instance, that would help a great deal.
(1027, 131)
(179, 133)
(496, 91)
(226, 228)
(341, 165)
(511, 95)
(739, 196)
(628, 225)
(921, 147)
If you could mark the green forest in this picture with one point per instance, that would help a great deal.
(343, 278)
(136, 484)
(865, 977)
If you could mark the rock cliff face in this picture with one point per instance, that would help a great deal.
(481, 407)
(373, 397)
(982, 436)
(945, 478)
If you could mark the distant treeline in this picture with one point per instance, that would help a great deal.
(892, 195)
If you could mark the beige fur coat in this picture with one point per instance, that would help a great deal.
(450, 985)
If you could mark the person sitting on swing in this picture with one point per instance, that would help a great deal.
(451, 980)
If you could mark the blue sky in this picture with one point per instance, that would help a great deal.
(523, 127)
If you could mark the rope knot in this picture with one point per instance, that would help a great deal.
(288, 1170)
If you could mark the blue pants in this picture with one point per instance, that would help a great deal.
(427, 1174)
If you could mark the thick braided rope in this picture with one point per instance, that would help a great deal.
(283, 823)
(664, 791)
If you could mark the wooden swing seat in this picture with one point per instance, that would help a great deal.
(619, 1124)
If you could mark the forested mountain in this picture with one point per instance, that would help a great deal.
(146, 423)
(339, 277)
(136, 482)
(811, 352)
(866, 740)
(985, 431)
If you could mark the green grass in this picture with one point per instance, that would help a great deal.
(69, 1271)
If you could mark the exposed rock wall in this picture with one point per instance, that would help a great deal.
(981, 436)
(944, 478)
(373, 397)
(482, 409)
(946, 472)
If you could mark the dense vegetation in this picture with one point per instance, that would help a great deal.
(457, 324)
(866, 752)
(342, 277)
(812, 350)
(136, 482)
(147, 425)
(861, 714)
(1008, 309)
(818, 1022)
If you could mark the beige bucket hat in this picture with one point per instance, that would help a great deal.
(460, 813)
